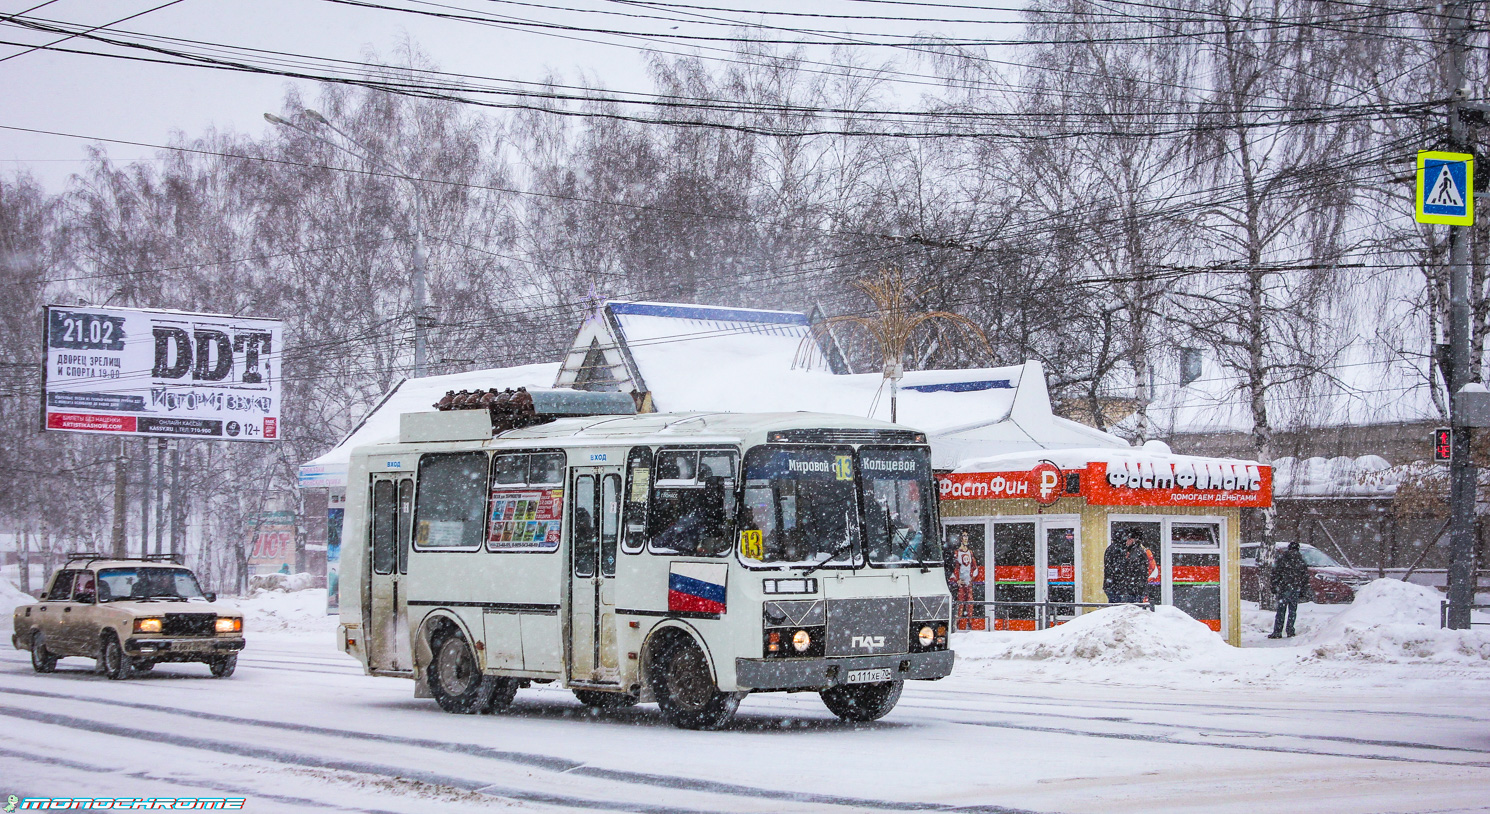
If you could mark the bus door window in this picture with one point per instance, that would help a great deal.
(692, 502)
(405, 521)
(638, 489)
(610, 522)
(583, 534)
(385, 516)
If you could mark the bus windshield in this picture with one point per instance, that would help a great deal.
(802, 503)
(897, 509)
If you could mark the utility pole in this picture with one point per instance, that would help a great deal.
(178, 509)
(1461, 468)
(160, 492)
(121, 485)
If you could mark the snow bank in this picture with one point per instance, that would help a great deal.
(11, 597)
(1392, 620)
(1108, 636)
(286, 611)
(285, 582)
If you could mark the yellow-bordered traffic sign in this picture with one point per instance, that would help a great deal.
(1445, 188)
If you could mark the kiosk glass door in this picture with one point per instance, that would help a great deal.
(1031, 563)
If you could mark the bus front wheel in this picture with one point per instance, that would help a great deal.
(455, 680)
(861, 703)
(684, 689)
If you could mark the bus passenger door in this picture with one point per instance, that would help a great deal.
(387, 622)
(595, 525)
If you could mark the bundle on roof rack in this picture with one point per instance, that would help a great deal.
(513, 409)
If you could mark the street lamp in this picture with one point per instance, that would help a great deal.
(421, 321)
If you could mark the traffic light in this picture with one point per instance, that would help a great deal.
(1443, 444)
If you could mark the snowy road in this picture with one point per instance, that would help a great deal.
(299, 728)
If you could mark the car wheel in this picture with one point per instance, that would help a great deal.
(863, 702)
(223, 666)
(42, 659)
(454, 679)
(685, 691)
(111, 660)
(605, 700)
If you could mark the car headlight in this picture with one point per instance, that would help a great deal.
(926, 636)
(148, 625)
(801, 640)
(227, 624)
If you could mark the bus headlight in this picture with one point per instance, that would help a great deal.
(926, 636)
(148, 625)
(801, 640)
(227, 624)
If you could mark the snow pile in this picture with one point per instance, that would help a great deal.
(11, 597)
(1117, 635)
(1392, 620)
(286, 611)
(285, 582)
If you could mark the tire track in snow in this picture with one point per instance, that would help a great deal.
(549, 763)
(1388, 744)
(254, 794)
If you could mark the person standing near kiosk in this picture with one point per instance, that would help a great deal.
(1125, 570)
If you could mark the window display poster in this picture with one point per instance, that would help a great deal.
(524, 519)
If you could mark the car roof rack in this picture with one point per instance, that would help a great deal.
(92, 556)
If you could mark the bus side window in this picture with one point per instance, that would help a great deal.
(385, 515)
(450, 505)
(638, 489)
(693, 503)
(582, 528)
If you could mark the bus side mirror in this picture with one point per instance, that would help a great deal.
(730, 504)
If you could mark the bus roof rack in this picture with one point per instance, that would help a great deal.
(514, 409)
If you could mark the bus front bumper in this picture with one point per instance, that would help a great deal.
(822, 673)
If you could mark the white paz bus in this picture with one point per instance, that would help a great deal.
(687, 559)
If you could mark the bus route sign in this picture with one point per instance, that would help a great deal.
(1445, 193)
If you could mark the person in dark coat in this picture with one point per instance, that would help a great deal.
(1125, 570)
(1291, 585)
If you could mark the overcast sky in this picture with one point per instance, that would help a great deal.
(101, 97)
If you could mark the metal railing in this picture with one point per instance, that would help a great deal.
(1443, 614)
(1047, 614)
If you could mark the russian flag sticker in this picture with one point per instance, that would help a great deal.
(697, 587)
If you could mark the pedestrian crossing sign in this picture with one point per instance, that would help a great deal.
(1445, 188)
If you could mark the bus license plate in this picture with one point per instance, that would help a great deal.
(867, 676)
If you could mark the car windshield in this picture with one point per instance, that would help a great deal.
(116, 584)
(897, 514)
(801, 502)
(1318, 559)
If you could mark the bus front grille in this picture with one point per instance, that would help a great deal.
(868, 627)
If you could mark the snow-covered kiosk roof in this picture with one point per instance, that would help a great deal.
(1150, 475)
(380, 425)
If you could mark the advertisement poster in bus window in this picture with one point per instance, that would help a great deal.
(964, 558)
(525, 519)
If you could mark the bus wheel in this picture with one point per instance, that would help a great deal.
(863, 702)
(454, 679)
(685, 691)
(605, 700)
(504, 689)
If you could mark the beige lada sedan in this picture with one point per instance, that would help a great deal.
(129, 614)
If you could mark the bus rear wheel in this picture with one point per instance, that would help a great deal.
(598, 699)
(455, 680)
(861, 703)
(686, 692)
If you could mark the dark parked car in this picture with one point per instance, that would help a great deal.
(1332, 583)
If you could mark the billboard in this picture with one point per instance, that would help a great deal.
(166, 373)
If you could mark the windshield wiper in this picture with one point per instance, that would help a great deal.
(831, 554)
